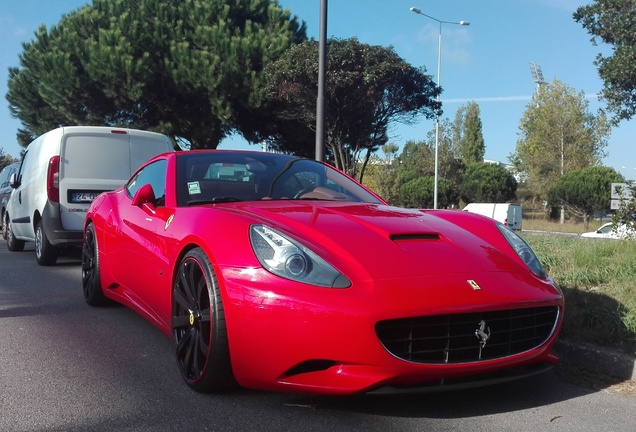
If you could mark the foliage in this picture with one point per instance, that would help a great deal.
(584, 191)
(597, 278)
(418, 193)
(626, 213)
(5, 159)
(368, 87)
(612, 22)
(417, 159)
(469, 136)
(184, 68)
(379, 174)
(488, 182)
(558, 135)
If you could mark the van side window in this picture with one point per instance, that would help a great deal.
(24, 167)
(154, 175)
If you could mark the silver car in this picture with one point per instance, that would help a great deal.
(5, 190)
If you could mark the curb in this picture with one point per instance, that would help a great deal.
(597, 360)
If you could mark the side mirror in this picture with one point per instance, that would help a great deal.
(145, 197)
(13, 181)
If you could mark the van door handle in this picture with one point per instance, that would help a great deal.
(20, 197)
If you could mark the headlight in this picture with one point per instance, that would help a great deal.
(524, 251)
(289, 259)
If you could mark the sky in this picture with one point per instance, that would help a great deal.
(487, 62)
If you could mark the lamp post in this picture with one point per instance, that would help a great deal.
(439, 66)
(322, 78)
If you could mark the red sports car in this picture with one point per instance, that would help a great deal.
(281, 273)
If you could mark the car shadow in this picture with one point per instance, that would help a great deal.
(541, 390)
(607, 345)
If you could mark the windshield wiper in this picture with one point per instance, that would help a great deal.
(214, 200)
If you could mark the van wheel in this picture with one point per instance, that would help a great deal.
(13, 244)
(45, 253)
(5, 222)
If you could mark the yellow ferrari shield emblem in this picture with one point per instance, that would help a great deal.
(191, 318)
(474, 285)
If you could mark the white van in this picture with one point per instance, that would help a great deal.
(62, 171)
(506, 213)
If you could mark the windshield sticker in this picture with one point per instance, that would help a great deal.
(194, 188)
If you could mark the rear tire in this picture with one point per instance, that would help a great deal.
(13, 244)
(45, 253)
(91, 281)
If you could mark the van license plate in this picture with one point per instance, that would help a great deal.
(83, 197)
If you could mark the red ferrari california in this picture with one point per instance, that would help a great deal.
(276, 272)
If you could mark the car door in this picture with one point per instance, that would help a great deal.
(136, 252)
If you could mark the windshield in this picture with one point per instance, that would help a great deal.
(219, 176)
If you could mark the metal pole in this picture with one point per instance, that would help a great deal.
(439, 69)
(322, 73)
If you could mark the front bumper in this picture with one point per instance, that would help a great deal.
(287, 336)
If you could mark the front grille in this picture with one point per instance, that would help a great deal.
(455, 338)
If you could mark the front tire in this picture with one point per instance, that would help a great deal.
(45, 253)
(13, 244)
(91, 281)
(198, 326)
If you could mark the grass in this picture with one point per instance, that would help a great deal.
(598, 279)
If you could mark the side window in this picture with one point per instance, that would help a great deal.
(25, 167)
(4, 177)
(154, 175)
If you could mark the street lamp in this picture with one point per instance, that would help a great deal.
(439, 65)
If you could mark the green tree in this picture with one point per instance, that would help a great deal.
(626, 213)
(5, 159)
(558, 135)
(612, 22)
(184, 68)
(584, 191)
(450, 164)
(468, 133)
(368, 88)
(417, 159)
(379, 174)
(418, 193)
(487, 182)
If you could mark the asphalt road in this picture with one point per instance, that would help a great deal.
(65, 366)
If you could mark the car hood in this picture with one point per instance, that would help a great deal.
(384, 241)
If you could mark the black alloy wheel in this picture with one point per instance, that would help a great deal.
(91, 282)
(198, 325)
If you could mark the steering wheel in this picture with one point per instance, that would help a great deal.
(302, 192)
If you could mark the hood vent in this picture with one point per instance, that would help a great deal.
(414, 236)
